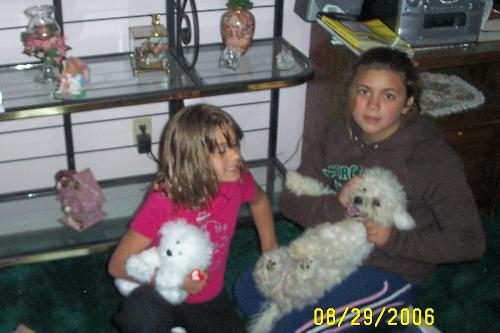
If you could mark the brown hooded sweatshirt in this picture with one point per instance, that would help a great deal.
(439, 199)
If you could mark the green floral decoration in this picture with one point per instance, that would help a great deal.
(244, 4)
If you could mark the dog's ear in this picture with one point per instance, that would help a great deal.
(402, 220)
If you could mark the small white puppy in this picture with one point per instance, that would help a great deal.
(184, 249)
(323, 256)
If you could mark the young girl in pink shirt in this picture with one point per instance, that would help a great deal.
(201, 179)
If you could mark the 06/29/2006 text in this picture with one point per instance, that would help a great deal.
(373, 317)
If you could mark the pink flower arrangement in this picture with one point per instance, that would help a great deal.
(50, 50)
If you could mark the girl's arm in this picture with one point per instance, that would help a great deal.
(131, 243)
(264, 221)
(452, 231)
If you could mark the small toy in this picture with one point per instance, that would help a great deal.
(184, 250)
(73, 78)
(197, 275)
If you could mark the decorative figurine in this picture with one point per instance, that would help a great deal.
(230, 58)
(148, 46)
(284, 60)
(73, 78)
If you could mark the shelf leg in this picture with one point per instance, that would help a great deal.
(68, 136)
(175, 106)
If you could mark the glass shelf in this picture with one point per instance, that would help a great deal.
(113, 82)
(31, 231)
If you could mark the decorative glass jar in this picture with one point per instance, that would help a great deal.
(237, 26)
(41, 24)
(148, 46)
(43, 40)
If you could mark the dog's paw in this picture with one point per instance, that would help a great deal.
(138, 269)
(271, 264)
(304, 185)
(305, 264)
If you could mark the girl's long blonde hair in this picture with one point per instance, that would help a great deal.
(186, 174)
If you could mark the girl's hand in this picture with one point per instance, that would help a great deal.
(376, 233)
(347, 189)
(193, 287)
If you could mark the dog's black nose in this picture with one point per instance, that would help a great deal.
(358, 200)
(169, 253)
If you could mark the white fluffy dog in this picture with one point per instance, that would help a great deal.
(323, 256)
(184, 249)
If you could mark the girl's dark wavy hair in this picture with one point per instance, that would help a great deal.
(186, 174)
(388, 59)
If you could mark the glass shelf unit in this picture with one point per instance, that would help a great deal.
(37, 234)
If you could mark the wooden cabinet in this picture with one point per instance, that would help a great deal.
(475, 134)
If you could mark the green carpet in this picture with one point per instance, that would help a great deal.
(466, 297)
(76, 295)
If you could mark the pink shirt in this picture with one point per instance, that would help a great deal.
(219, 220)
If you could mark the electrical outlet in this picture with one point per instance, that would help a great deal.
(136, 126)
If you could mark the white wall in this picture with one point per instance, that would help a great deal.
(32, 150)
(293, 99)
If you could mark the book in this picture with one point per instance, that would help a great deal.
(360, 36)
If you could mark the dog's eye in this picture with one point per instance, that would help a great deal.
(364, 189)
(376, 203)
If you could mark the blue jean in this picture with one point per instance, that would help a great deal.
(368, 287)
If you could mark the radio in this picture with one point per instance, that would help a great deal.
(430, 22)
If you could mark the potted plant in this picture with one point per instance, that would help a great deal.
(238, 25)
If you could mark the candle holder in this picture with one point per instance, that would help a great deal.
(43, 40)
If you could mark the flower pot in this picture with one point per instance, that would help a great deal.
(237, 26)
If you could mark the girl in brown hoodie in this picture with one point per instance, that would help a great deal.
(383, 126)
